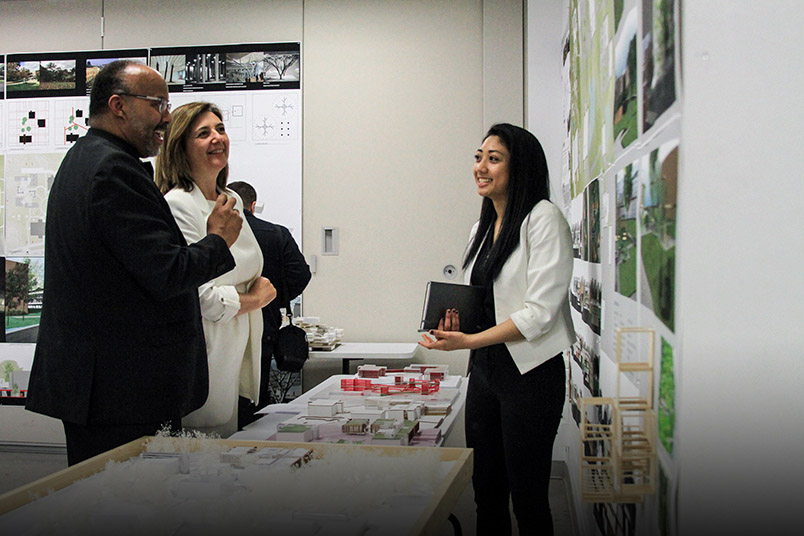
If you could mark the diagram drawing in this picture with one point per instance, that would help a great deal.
(28, 181)
(72, 117)
(28, 123)
(276, 117)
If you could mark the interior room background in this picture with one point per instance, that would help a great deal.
(396, 98)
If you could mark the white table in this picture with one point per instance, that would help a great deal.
(368, 351)
(274, 414)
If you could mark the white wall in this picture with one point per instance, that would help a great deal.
(740, 278)
(393, 104)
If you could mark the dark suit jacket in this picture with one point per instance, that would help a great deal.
(277, 243)
(120, 339)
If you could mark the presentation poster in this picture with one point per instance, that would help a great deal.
(622, 144)
(45, 110)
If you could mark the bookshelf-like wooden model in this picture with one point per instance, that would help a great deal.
(618, 459)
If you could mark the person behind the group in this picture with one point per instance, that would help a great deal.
(192, 171)
(520, 250)
(285, 266)
(120, 349)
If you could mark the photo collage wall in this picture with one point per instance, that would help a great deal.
(44, 106)
(619, 181)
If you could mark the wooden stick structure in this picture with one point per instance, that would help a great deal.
(618, 434)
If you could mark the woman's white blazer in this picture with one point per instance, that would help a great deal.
(532, 288)
(233, 342)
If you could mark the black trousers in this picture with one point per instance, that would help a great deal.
(511, 423)
(86, 441)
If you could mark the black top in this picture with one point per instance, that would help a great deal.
(277, 244)
(120, 339)
(480, 276)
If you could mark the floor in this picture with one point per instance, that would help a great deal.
(18, 467)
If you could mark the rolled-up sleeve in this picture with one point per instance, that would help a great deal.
(549, 271)
(218, 303)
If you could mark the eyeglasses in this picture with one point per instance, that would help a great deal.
(163, 106)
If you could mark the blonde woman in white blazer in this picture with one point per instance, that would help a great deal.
(192, 172)
(521, 252)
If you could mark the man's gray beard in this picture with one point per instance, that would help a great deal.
(150, 144)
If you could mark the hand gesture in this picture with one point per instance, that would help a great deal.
(224, 220)
(448, 335)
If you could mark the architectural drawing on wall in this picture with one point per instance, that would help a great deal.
(585, 294)
(591, 91)
(233, 108)
(94, 66)
(171, 67)
(658, 69)
(71, 119)
(566, 178)
(578, 227)
(22, 75)
(625, 85)
(588, 359)
(262, 66)
(206, 68)
(667, 398)
(245, 67)
(28, 122)
(658, 231)
(28, 181)
(276, 116)
(625, 239)
(43, 75)
(282, 65)
(23, 297)
(592, 218)
(2, 207)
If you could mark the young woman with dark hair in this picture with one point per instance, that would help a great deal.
(520, 250)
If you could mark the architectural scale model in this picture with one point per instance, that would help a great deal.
(319, 336)
(196, 485)
(404, 407)
(618, 453)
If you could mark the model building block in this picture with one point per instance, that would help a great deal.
(324, 407)
(370, 371)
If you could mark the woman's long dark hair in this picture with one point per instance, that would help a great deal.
(528, 183)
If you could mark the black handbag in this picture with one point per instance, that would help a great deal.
(291, 349)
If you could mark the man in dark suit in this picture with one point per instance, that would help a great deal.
(121, 348)
(283, 264)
